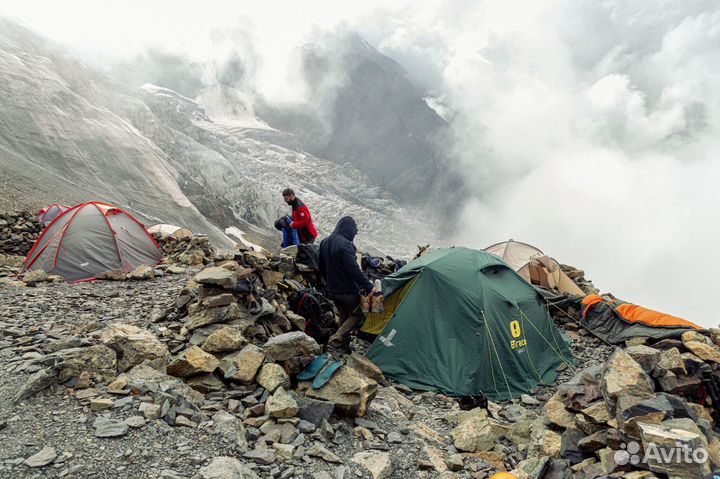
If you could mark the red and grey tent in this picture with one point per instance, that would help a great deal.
(89, 239)
(46, 215)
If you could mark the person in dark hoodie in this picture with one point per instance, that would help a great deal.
(344, 279)
(301, 219)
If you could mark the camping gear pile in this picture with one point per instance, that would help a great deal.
(90, 239)
(616, 321)
(18, 232)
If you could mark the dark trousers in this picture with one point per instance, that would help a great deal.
(348, 306)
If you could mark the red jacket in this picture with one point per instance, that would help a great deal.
(302, 221)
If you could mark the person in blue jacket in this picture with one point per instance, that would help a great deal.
(344, 279)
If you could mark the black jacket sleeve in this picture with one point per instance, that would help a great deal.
(353, 270)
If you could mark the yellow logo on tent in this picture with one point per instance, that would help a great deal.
(515, 329)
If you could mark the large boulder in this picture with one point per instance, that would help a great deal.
(217, 276)
(133, 345)
(245, 365)
(622, 375)
(227, 338)
(289, 345)
(192, 361)
(701, 346)
(351, 392)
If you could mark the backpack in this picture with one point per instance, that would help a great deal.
(317, 311)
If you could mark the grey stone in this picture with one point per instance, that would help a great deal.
(45, 456)
(224, 467)
(105, 427)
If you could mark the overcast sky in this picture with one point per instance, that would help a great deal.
(588, 128)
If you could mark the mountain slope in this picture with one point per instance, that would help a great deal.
(69, 133)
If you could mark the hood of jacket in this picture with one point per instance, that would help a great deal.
(347, 228)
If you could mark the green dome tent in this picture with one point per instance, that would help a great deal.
(462, 322)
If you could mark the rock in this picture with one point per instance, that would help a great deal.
(150, 411)
(105, 427)
(224, 467)
(205, 383)
(435, 457)
(192, 361)
(363, 365)
(529, 400)
(141, 272)
(284, 451)
(533, 468)
(99, 360)
(231, 429)
(556, 413)
(289, 345)
(271, 278)
(34, 277)
(281, 405)
(133, 345)
(37, 382)
(99, 404)
(350, 391)
(185, 422)
(378, 463)
(314, 411)
(45, 456)
(227, 338)
(622, 375)
(245, 366)
(221, 314)
(318, 451)
(672, 361)
(216, 276)
(143, 376)
(597, 412)
(272, 376)
(701, 346)
(455, 462)
(135, 421)
(645, 356)
(261, 456)
(514, 412)
(661, 440)
(636, 412)
(474, 434)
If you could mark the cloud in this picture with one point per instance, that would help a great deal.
(591, 129)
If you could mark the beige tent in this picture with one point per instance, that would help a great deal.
(165, 231)
(534, 266)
